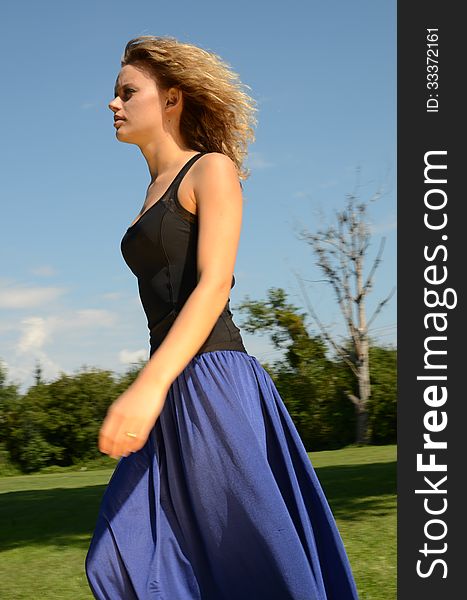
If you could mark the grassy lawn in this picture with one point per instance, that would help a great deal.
(360, 485)
(47, 521)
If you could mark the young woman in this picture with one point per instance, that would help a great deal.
(214, 496)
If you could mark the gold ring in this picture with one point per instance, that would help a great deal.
(133, 435)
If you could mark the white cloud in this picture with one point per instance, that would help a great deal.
(44, 271)
(22, 372)
(8, 325)
(36, 327)
(37, 336)
(112, 296)
(301, 194)
(261, 347)
(37, 331)
(256, 160)
(28, 296)
(90, 317)
(127, 357)
(34, 334)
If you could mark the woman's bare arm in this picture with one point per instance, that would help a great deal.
(218, 197)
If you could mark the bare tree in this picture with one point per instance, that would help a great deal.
(341, 253)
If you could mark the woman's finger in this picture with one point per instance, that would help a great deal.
(108, 432)
(124, 444)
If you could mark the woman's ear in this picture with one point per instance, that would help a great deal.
(174, 95)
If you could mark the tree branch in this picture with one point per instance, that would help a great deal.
(324, 331)
(376, 262)
(380, 306)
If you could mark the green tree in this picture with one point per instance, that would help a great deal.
(24, 437)
(57, 423)
(383, 400)
(9, 395)
(311, 385)
(74, 408)
(341, 253)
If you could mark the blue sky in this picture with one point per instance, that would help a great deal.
(324, 77)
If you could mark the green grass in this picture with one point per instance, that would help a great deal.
(360, 485)
(47, 521)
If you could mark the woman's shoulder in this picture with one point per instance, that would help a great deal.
(214, 178)
(212, 175)
(217, 159)
(214, 164)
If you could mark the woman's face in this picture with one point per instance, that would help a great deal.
(140, 104)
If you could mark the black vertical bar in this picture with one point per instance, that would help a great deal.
(431, 301)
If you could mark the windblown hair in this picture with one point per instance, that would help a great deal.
(218, 115)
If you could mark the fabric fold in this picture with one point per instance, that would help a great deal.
(222, 502)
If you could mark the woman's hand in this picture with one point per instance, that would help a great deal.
(135, 411)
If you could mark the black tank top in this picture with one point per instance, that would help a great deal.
(161, 248)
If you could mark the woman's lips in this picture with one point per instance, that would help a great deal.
(118, 121)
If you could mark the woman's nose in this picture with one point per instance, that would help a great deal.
(112, 105)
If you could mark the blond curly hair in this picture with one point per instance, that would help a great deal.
(218, 115)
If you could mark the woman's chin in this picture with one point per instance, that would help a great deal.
(120, 135)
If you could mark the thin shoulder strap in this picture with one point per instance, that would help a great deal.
(184, 169)
(172, 200)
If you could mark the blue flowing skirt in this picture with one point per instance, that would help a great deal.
(221, 503)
